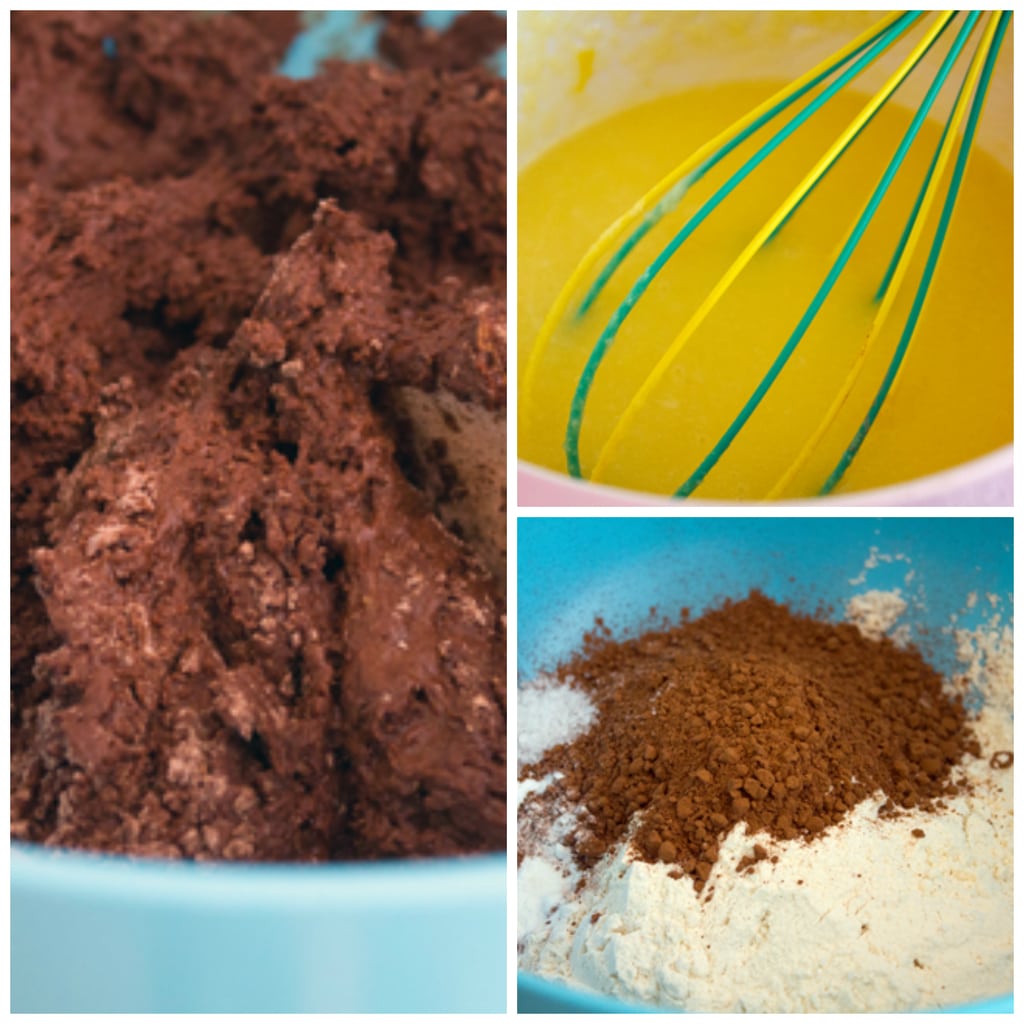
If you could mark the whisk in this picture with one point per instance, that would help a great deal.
(607, 255)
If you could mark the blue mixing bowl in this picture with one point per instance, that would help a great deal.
(106, 934)
(571, 570)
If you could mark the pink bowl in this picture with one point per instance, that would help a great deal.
(987, 481)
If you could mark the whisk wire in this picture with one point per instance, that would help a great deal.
(671, 354)
(987, 52)
(849, 246)
(607, 337)
(901, 245)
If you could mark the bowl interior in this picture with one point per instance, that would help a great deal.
(571, 570)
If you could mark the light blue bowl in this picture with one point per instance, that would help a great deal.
(571, 570)
(106, 934)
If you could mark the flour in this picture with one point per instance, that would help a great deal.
(550, 712)
(877, 914)
(877, 557)
(875, 612)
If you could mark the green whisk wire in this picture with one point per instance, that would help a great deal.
(933, 257)
(607, 337)
(852, 241)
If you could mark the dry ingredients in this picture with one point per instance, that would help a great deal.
(755, 714)
(257, 610)
(769, 923)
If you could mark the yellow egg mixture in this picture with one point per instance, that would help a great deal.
(953, 399)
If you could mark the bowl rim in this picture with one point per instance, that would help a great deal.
(587, 1001)
(356, 885)
(993, 467)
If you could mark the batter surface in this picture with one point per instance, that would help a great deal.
(953, 401)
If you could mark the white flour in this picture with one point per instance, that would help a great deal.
(869, 917)
(550, 713)
(876, 612)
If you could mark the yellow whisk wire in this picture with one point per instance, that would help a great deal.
(889, 299)
(665, 363)
(600, 249)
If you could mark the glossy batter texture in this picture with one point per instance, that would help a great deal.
(953, 400)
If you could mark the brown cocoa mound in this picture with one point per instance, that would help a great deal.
(751, 713)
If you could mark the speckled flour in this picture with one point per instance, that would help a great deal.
(889, 914)
(549, 713)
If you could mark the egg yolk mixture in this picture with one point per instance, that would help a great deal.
(953, 399)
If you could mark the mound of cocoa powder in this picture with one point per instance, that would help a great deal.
(751, 713)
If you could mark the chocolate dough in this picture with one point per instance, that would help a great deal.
(252, 619)
(472, 37)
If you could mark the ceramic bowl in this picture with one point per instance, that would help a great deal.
(572, 570)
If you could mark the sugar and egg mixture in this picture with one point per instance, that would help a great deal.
(953, 399)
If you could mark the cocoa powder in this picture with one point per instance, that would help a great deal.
(751, 713)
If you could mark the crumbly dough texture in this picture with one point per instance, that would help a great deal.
(241, 629)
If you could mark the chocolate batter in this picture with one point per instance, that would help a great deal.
(257, 611)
